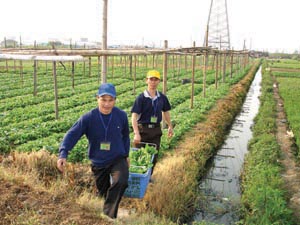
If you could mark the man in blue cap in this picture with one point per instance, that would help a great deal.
(107, 130)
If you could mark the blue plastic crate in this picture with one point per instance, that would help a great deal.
(137, 184)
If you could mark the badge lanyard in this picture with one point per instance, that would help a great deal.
(105, 145)
(154, 106)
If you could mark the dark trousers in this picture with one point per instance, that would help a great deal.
(151, 135)
(111, 182)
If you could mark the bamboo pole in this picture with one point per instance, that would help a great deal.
(55, 90)
(98, 64)
(165, 68)
(204, 74)
(90, 66)
(224, 68)
(217, 70)
(34, 77)
(130, 66)
(193, 80)
(73, 73)
(104, 42)
(134, 76)
(112, 66)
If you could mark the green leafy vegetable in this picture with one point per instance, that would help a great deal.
(141, 159)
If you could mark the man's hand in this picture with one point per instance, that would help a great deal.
(61, 163)
(170, 132)
(137, 138)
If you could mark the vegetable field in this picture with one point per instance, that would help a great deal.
(28, 121)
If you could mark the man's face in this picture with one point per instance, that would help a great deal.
(153, 82)
(106, 103)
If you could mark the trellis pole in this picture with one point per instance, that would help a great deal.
(104, 42)
(55, 90)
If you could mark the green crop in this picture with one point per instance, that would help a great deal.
(141, 159)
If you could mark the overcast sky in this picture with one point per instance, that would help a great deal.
(269, 25)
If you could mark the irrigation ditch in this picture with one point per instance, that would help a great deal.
(220, 187)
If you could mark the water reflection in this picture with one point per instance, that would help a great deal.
(221, 186)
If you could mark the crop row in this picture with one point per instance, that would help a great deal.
(28, 123)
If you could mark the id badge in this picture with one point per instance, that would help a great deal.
(153, 119)
(105, 146)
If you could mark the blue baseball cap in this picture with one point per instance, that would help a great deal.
(107, 89)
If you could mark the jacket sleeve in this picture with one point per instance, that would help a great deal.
(72, 137)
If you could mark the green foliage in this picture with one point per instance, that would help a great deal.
(263, 198)
(141, 159)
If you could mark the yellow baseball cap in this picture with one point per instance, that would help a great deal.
(153, 73)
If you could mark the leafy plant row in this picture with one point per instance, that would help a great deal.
(263, 198)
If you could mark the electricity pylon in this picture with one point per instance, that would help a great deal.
(217, 30)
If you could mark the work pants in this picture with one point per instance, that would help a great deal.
(111, 182)
(151, 135)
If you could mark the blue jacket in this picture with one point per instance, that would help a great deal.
(94, 124)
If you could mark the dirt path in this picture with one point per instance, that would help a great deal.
(291, 173)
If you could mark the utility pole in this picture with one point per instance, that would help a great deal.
(217, 29)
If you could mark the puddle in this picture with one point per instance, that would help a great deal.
(220, 187)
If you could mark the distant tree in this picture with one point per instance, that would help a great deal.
(55, 44)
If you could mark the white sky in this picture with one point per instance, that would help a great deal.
(270, 25)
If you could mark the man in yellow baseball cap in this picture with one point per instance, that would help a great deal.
(149, 109)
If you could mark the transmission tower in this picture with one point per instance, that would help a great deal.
(217, 30)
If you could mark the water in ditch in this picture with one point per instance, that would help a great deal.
(221, 185)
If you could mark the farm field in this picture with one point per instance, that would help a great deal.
(28, 121)
(229, 153)
(74, 102)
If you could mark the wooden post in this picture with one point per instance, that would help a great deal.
(204, 73)
(90, 66)
(165, 68)
(173, 65)
(193, 81)
(179, 65)
(130, 66)
(231, 63)
(134, 76)
(112, 66)
(73, 72)
(104, 42)
(153, 60)
(217, 70)
(125, 65)
(34, 78)
(21, 71)
(193, 78)
(165, 73)
(55, 90)
(224, 67)
(99, 73)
